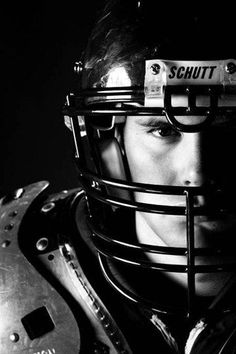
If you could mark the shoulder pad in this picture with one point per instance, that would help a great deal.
(34, 316)
(47, 302)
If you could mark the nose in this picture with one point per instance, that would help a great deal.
(192, 165)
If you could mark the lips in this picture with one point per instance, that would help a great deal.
(221, 222)
(213, 225)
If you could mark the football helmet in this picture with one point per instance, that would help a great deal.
(146, 59)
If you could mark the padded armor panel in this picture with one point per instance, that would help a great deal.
(34, 317)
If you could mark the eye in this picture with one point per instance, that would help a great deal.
(164, 130)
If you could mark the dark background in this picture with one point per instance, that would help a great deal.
(39, 45)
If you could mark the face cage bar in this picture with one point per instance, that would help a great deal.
(118, 102)
(111, 248)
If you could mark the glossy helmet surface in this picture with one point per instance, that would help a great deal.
(130, 38)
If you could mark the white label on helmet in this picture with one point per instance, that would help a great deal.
(161, 73)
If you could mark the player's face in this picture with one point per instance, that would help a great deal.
(158, 154)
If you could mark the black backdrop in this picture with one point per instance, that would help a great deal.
(39, 46)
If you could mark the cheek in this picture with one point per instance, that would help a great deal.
(170, 230)
(147, 164)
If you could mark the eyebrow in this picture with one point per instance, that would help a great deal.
(150, 120)
(224, 120)
(218, 121)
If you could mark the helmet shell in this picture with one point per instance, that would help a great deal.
(128, 33)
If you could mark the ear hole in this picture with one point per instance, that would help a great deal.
(112, 166)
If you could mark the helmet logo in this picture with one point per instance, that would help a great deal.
(192, 72)
(155, 69)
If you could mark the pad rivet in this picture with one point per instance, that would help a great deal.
(42, 244)
(14, 337)
(5, 243)
(47, 207)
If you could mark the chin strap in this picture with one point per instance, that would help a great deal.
(195, 332)
(164, 330)
(214, 335)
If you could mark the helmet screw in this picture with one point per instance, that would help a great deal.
(78, 67)
(155, 69)
(230, 68)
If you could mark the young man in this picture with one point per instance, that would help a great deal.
(142, 259)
